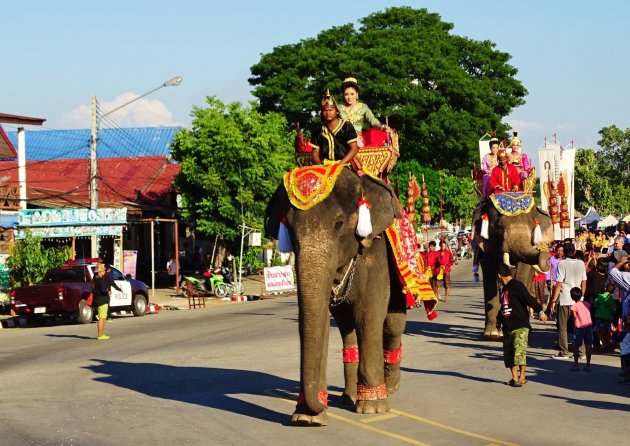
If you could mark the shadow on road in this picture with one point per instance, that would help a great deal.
(69, 336)
(216, 388)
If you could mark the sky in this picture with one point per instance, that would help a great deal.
(572, 56)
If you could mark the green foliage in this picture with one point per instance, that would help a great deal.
(616, 152)
(602, 178)
(29, 260)
(252, 257)
(441, 91)
(232, 160)
(458, 195)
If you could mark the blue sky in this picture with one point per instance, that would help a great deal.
(572, 56)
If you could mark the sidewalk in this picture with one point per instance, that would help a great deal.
(168, 299)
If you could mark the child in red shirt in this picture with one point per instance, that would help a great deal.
(583, 329)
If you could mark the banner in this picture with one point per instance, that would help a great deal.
(279, 278)
(557, 194)
(129, 262)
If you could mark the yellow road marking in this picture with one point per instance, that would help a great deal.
(395, 413)
(387, 416)
(451, 428)
(377, 430)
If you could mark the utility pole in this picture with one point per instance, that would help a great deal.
(94, 173)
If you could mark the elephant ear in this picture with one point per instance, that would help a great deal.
(277, 208)
(384, 204)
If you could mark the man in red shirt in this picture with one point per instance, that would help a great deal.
(432, 257)
(445, 261)
(505, 176)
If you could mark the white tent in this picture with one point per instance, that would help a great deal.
(608, 221)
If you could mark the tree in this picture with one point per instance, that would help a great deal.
(592, 188)
(616, 151)
(441, 91)
(29, 260)
(232, 160)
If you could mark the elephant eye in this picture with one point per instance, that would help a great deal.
(338, 224)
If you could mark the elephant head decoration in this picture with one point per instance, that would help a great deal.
(515, 232)
(348, 274)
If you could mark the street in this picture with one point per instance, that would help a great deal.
(229, 375)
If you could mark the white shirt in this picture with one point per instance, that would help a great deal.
(622, 279)
(571, 273)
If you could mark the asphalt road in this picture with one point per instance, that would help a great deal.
(228, 375)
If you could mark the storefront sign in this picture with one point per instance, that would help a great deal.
(75, 217)
(70, 231)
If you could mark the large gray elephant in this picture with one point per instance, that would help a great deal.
(511, 235)
(367, 304)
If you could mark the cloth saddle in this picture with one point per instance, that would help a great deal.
(512, 203)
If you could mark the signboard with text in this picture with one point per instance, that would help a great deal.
(71, 217)
(279, 278)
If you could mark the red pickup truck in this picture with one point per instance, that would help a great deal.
(66, 288)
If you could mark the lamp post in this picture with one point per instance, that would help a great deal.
(95, 125)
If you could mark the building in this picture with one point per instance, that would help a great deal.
(134, 171)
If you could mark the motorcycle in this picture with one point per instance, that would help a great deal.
(233, 286)
(210, 282)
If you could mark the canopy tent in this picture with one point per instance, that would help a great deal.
(607, 222)
(590, 217)
(626, 219)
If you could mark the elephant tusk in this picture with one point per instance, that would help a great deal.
(537, 269)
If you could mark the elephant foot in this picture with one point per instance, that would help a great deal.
(392, 377)
(303, 419)
(492, 334)
(372, 406)
(348, 398)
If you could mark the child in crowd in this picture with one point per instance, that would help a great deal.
(514, 320)
(624, 346)
(583, 329)
(605, 311)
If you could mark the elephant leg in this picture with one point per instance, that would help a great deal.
(491, 298)
(345, 322)
(371, 387)
(392, 349)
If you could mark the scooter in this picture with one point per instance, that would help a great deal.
(228, 277)
(210, 282)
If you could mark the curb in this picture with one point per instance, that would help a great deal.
(12, 323)
(240, 298)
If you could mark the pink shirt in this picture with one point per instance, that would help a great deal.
(582, 314)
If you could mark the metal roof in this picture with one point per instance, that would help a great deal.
(112, 143)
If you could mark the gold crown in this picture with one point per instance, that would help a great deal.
(328, 100)
(351, 79)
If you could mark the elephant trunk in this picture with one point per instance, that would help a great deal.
(313, 297)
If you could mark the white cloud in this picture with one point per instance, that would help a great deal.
(141, 113)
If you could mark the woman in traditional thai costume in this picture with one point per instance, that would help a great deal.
(519, 159)
(488, 163)
(358, 113)
(336, 139)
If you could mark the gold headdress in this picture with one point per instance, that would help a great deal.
(328, 100)
(515, 140)
(350, 82)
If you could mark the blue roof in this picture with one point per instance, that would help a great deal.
(112, 143)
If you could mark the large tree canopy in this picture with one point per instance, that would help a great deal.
(441, 91)
(232, 160)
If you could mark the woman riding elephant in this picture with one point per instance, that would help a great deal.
(356, 112)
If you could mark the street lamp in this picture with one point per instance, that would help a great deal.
(96, 123)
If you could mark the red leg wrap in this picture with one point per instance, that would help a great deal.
(351, 354)
(370, 393)
(393, 356)
(322, 396)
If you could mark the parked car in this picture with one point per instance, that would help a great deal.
(65, 290)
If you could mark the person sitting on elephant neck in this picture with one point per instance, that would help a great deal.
(505, 176)
(514, 320)
(336, 139)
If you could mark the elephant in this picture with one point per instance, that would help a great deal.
(367, 301)
(509, 235)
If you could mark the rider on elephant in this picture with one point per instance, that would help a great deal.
(356, 112)
(519, 159)
(336, 139)
(505, 176)
(488, 163)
